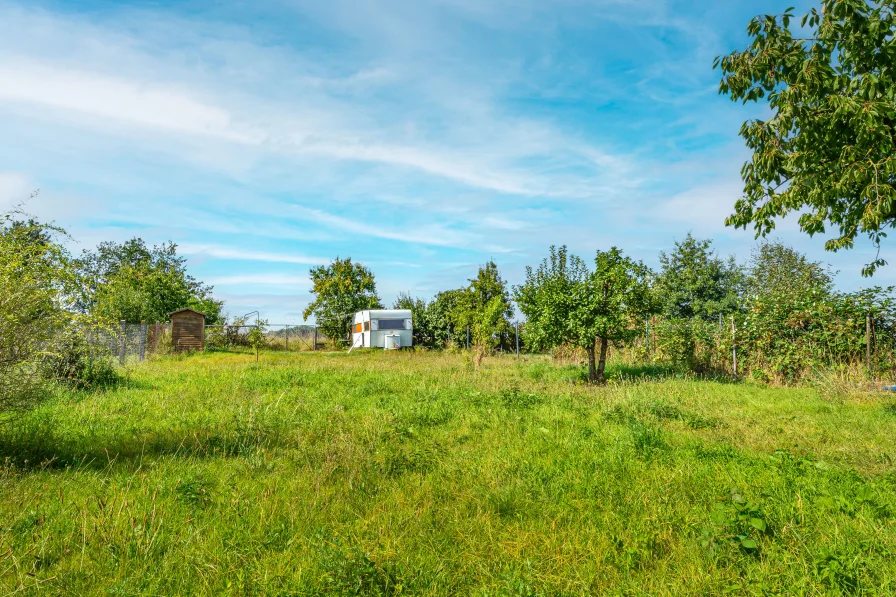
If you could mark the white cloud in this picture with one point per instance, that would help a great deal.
(112, 97)
(105, 77)
(14, 189)
(702, 209)
(271, 279)
(236, 254)
(425, 235)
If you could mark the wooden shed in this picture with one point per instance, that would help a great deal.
(187, 330)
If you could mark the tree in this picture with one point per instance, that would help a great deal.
(424, 334)
(256, 336)
(441, 313)
(828, 151)
(485, 307)
(782, 273)
(612, 303)
(565, 303)
(341, 289)
(35, 284)
(547, 299)
(133, 283)
(694, 282)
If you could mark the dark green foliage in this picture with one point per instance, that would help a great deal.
(442, 321)
(484, 308)
(778, 271)
(351, 572)
(131, 282)
(738, 521)
(795, 322)
(432, 323)
(694, 282)
(340, 290)
(514, 398)
(194, 490)
(688, 344)
(839, 570)
(74, 362)
(647, 439)
(828, 151)
(36, 285)
(565, 303)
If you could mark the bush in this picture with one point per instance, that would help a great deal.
(689, 344)
(34, 272)
(74, 362)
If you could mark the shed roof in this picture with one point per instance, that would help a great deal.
(186, 309)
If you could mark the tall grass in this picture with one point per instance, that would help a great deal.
(408, 473)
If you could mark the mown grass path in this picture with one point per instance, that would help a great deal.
(384, 474)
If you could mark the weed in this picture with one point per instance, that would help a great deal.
(838, 570)
(194, 490)
(738, 521)
(648, 440)
(352, 572)
(514, 398)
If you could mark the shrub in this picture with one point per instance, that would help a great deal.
(34, 276)
(74, 361)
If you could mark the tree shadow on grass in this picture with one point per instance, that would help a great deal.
(621, 373)
(35, 445)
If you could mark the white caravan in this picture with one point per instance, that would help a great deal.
(382, 328)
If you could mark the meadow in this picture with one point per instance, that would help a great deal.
(411, 474)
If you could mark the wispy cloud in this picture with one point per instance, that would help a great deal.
(236, 254)
(408, 135)
(272, 279)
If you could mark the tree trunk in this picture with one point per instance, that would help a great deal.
(478, 355)
(592, 370)
(602, 364)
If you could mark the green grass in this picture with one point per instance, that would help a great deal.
(387, 474)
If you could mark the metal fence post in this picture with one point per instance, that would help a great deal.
(868, 342)
(647, 334)
(468, 337)
(314, 346)
(124, 342)
(517, 339)
(734, 346)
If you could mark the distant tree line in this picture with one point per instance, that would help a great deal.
(779, 310)
(51, 301)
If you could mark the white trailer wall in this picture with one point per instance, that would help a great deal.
(366, 332)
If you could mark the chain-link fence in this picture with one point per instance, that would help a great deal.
(125, 341)
(291, 337)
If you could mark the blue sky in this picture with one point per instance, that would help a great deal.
(419, 137)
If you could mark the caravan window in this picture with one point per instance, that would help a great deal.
(391, 324)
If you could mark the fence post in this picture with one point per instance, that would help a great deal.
(647, 335)
(124, 339)
(868, 342)
(143, 330)
(517, 339)
(734, 345)
(314, 346)
(468, 337)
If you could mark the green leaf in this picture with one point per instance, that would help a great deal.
(749, 544)
(758, 524)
